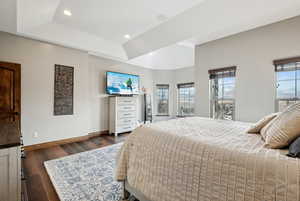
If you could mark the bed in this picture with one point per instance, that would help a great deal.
(200, 159)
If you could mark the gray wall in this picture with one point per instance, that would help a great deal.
(90, 100)
(37, 61)
(98, 97)
(172, 77)
(37, 79)
(252, 52)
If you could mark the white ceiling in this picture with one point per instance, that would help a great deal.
(113, 19)
(168, 28)
(211, 20)
(171, 57)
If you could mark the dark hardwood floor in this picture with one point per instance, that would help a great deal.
(38, 183)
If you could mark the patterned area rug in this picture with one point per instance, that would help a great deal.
(87, 176)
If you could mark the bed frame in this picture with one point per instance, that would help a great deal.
(129, 190)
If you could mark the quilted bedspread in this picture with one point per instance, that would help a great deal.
(202, 159)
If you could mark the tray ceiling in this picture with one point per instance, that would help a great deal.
(157, 31)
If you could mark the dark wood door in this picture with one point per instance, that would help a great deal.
(10, 92)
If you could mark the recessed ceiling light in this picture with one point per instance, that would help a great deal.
(127, 36)
(151, 53)
(161, 17)
(67, 12)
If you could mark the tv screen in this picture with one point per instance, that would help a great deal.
(122, 84)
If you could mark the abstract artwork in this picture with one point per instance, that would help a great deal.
(63, 90)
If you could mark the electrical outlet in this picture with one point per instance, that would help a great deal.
(35, 134)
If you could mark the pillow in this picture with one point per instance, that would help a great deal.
(283, 129)
(294, 149)
(255, 128)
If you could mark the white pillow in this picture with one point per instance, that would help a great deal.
(283, 129)
(255, 128)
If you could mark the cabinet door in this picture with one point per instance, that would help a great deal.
(10, 174)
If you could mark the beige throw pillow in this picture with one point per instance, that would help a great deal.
(283, 129)
(255, 128)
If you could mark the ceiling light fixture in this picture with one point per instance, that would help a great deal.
(67, 13)
(161, 17)
(127, 36)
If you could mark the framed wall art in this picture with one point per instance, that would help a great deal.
(63, 90)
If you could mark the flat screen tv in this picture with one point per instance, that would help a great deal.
(122, 84)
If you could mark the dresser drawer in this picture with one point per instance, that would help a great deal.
(125, 128)
(126, 121)
(126, 108)
(127, 101)
(124, 115)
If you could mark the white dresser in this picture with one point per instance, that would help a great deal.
(122, 114)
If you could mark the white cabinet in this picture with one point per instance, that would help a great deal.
(122, 114)
(10, 174)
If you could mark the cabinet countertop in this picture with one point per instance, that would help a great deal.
(9, 135)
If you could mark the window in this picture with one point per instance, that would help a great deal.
(288, 82)
(162, 97)
(186, 95)
(222, 89)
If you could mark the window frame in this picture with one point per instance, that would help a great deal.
(179, 86)
(213, 75)
(280, 64)
(162, 86)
